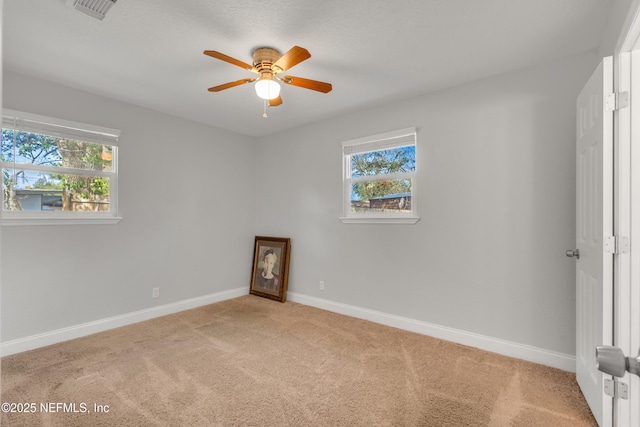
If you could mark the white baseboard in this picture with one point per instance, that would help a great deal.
(84, 329)
(507, 348)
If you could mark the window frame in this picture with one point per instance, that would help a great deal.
(50, 126)
(394, 139)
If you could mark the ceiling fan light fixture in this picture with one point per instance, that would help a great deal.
(267, 64)
(267, 89)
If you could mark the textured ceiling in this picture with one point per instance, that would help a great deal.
(149, 52)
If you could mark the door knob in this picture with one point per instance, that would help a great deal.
(611, 360)
(573, 253)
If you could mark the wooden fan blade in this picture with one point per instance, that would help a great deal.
(229, 85)
(307, 84)
(294, 56)
(230, 60)
(275, 102)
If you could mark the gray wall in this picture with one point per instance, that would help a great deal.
(617, 23)
(496, 198)
(496, 193)
(171, 236)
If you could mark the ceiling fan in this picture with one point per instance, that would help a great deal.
(267, 64)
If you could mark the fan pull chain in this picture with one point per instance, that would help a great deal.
(265, 109)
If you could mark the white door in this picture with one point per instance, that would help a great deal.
(628, 300)
(594, 222)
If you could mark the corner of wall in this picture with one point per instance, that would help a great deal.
(622, 12)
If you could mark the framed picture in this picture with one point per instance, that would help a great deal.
(270, 275)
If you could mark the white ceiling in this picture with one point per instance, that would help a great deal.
(149, 52)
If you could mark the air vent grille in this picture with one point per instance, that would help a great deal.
(94, 8)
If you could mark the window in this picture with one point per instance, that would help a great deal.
(379, 178)
(57, 172)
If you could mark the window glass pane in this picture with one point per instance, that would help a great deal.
(37, 191)
(381, 196)
(46, 150)
(382, 162)
(7, 146)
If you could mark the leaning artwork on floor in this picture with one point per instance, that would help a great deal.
(270, 274)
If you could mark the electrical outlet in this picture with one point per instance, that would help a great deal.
(322, 285)
(155, 293)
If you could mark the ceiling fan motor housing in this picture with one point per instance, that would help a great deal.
(263, 60)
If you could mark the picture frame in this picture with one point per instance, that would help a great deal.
(270, 273)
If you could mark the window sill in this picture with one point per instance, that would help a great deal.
(379, 220)
(60, 221)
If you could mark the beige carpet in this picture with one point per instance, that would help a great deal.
(255, 362)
